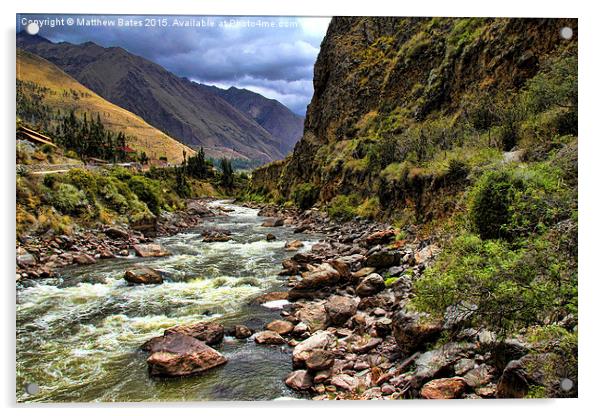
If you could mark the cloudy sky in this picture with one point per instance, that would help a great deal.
(273, 56)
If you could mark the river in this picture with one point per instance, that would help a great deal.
(78, 334)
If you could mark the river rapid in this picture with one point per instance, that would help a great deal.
(78, 335)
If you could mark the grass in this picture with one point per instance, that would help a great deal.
(65, 93)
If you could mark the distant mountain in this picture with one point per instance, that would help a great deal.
(47, 85)
(190, 112)
(282, 123)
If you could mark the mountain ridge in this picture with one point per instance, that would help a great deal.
(188, 111)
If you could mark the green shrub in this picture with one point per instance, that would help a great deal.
(370, 208)
(343, 207)
(68, 199)
(501, 288)
(515, 202)
(148, 191)
(305, 195)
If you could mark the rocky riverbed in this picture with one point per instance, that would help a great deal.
(311, 307)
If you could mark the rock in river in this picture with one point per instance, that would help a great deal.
(143, 275)
(150, 250)
(177, 355)
(280, 327)
(269, 338)
(299, 380)
(273, 222)
(208, 332)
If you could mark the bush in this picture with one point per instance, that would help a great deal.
(305, 195)
(343, 207)
(499, 288)
(515, 202)
(148, 191)
(68, 199)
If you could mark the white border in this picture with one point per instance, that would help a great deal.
(589, 188)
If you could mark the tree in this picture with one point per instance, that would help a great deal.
(227, 179)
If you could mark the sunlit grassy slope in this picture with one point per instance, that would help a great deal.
(66, 94)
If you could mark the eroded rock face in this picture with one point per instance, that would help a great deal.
(210, 333)
(150, 250)
(339, 309)
(443, 388)
(143, 275)
(177, 355)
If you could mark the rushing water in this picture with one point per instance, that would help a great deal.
(78, 335)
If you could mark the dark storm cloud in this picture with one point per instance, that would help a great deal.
(274, 58)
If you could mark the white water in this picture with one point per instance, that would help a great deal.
(78, 335)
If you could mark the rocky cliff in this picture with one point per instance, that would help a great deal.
(392, 93)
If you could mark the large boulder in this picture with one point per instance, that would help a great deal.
(380, 237)
(208, 332)
(83, 258)
(438, 362)
(344, 382)
(242, 332)
(116, 233)
(318, 341)
(383, 259)
(320, 276)
(279, 326)
(444, 388)
(314, 315)
(318, 360)
(339, 309)
(273, 222)
(269, 338)
(270, 297)
(413, 330)
(519, 375)
(299, 380)
(293, 245)
(179, 355)
(150, 250)
(143, 275)
(370, 285)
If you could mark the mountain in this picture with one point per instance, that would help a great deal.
(190, 112)
(397, 101)
(282, 123)
(58, 91)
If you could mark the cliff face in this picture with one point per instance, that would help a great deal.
(377, 78)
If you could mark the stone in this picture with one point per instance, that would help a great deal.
(344, 382)
(116, 233)
(323, 275)
(26, 259)
(269, 338)
(412, 330)
(150, 250)
(270, 297)
(299, 380)
(443, 388)
(293, 245)
(270, 237)
(520, 374)
(440, 361)
(280, 327)
(387, 389)
(217, 238)
(339, 309)
(314, 315)
(319, 360)
(380, 237)
(290, 266)
(426, 253)
(370, 285)
(83, 258)
(208, 332)
(479, 376)
(300, 328)
(178, 355)
(383, 259)
(318, 341)
(143, 275)
(242, 332)
(273, 222)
